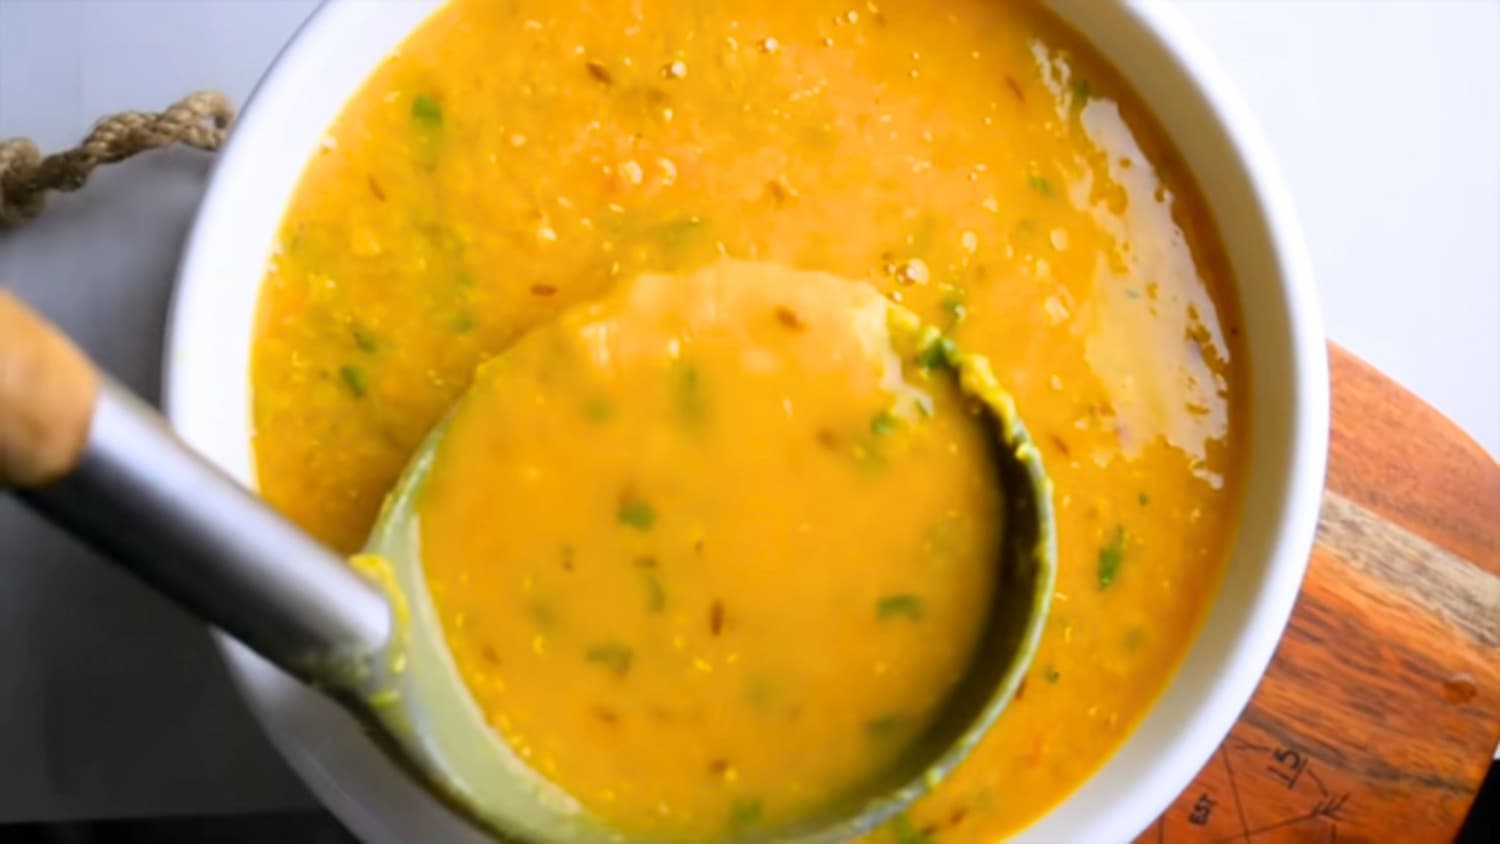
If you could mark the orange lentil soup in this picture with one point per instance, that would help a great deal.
(682, 536)
(972, 159)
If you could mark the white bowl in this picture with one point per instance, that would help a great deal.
(208, 400)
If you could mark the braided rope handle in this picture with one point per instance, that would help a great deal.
(199, 120)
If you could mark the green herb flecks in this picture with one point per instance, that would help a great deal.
(883, 423)
(364, 338)
(1051, 674)
(1040, 184)
(598, 409)
(745, 812)
(953, 306)
(938, 351)
(692, 402)
(1144, 499)
(543, 614)
(905, 832)
(867, 459)
(637, 513)
(1082, 92)
(761, 693)
(427, 111)
(886, 726)
(682, 240)
(354, 380)
(656, 593)
(924, 405)
(613, 656)
(462, 323)
(898, 606)
(1111, 556)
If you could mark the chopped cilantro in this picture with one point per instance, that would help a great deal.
(615, 657)
(364, 338)
(940, 351)
(427, 111)
(906, 833)
(745, 811)
(637, 514)
(656, 594)
(354, 380)
(692, 404)
(953, 305)
(1110, 558)
(1082, 92)
(598, 409)
(898, 605)
(886, 725)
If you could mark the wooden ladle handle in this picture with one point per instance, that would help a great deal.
(48, 390)
(81, 450)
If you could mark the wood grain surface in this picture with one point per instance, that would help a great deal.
(1379, 714)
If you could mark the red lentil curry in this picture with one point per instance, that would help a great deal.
(973, 160)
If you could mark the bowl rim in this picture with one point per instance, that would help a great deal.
(201, 418)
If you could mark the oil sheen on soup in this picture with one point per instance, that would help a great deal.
(974, 161)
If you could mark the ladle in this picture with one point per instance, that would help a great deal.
(86, 453)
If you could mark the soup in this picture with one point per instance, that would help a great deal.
(972, 160)
(683, 535)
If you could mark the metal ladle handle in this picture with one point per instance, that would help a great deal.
(92, 457)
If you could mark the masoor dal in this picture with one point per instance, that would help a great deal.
(974, 161)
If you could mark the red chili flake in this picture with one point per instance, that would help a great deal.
(788, 317)
(607, 715)
(1021, 689)
(1061, 446)
(488, 654)
(718, 767)
(376, 189)
(1015, 88)
(716, 618)
(543, 290)
(646, 562)
(600, 72)
(778, 191)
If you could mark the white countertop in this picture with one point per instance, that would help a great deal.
(1385, 117)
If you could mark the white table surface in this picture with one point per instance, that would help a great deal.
(1385, 117)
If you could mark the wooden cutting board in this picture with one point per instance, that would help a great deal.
(1379, 714)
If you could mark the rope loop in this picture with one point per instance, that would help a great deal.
(199, 120)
